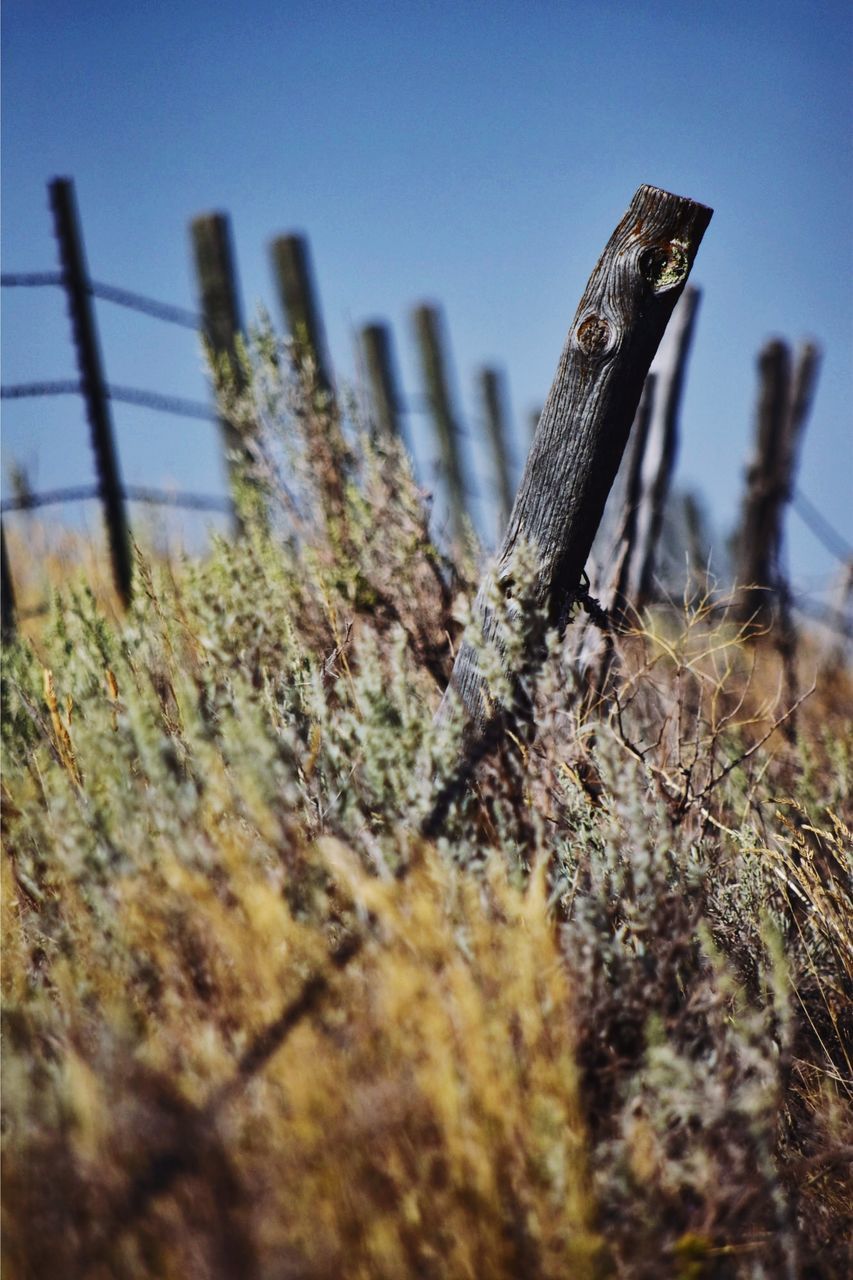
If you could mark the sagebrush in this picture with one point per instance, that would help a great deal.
(257, 1025)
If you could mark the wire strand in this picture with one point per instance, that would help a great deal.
(109, 293)
(148, 306)
(23, 390)
(163, 404)
(836, 544)
(30, 279)
(131, 493)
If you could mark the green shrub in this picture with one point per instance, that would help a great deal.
(257, 1025)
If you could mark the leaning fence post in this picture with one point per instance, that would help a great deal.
(584, 426)
(75, 278)
(384, 397)
(493, 400)
(669, 368)
(427, 324)
(292, 265)
(7, 590)
(216, 275)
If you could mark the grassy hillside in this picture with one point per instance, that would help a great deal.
(257, 1026)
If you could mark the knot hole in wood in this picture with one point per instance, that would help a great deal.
(593, 336)
(664, 265)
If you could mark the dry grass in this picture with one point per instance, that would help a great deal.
(256, 1025)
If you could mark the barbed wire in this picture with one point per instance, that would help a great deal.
(127, 395)
(50, 497)
(22, 390)
(131, 493)
(165, 498)
(149, 306)
(30, 279)
(109, 293)
(163, 404)
(834, 542)
(834, 619)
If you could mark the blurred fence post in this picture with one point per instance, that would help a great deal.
(661, 445)
(493, 400)
(384, 397)
(216, 275)
(292, 266)
(427, 324)
(616, 570)
(698, 541)
(783, 404)
(579, 442)
(75, 278)
(7, 590)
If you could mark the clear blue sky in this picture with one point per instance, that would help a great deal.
(475, 153)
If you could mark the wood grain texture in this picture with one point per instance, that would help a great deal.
(585, 423)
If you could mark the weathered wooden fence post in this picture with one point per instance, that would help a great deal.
(697, 541)
(783, 404)
(584, 426)
(216, 274)
(493, 401)
(292, 266)
(7, 590)
(331, 456)
(617, 569)
(384, 397)
(78, 289)
(669, 367)
(427, 324)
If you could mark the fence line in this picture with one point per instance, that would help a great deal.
(219, 321)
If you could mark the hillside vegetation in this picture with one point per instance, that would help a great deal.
(257, 1025)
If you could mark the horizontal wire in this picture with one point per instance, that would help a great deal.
(132, 493)
(834, 619)
(30, 279)
(49, 498)
(109, 293)
(163, 404)
(165, 498)
(126, 395)
(149, 306)
(23, 390)
(834, 542)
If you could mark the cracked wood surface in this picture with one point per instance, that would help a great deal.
(584, 426)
